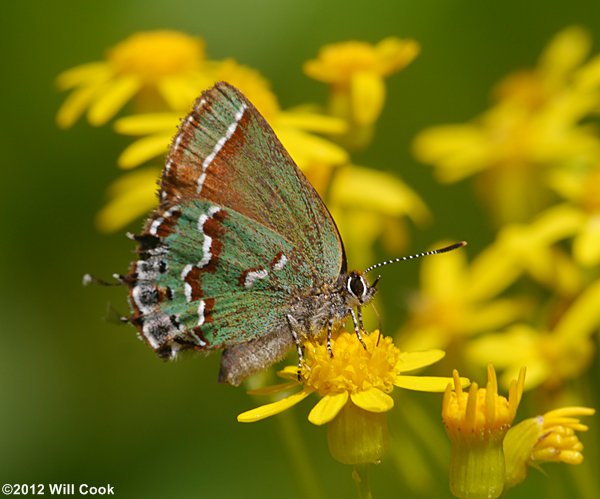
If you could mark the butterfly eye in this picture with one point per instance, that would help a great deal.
(357, 286)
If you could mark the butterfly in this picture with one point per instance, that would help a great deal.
(242, 254)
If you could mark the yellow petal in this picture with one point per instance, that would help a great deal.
(180, 92)
(147, 123)
(327, 408)
(394, 54)
(555, 224)
(122, 210)
(143, 150)
(265, 411)
(409, 361)
(305, 148)
(380, 192)
(373, 400)
(456, 150)
(426, 383)
(289, 372)
(588, 77)
(367, 96)
(112, 98)
(491, 273)
(132, 196)
(582, 318)
(493, 315)
(311, 122)
(515, 346)
(86, 74)
(538, 371)
(586, 246)
(565, 183)
(74, 106)
(567, 50)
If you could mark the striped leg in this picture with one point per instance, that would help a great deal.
(329, 330)
(356, 326)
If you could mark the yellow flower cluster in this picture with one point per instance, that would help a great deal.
(529, 298)
(536, 162)
(536, 124)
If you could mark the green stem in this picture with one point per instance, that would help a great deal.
(299, 457)
(360, 474)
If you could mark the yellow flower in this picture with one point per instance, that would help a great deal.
(476, 423)
(551, 437)
(457, 300)
(552, 355)
(534, 123)
(532, 248)
(167, 65)
(356, 71)
(354, 386)
(582, 189)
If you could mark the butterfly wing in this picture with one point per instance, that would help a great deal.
(239, 232)
(225, 152)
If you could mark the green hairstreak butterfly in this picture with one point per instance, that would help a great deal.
(242, 254)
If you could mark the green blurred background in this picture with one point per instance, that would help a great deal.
(82, 400)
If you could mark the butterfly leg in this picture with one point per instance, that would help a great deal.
(293, 323)
(329, 330)
(357, 328)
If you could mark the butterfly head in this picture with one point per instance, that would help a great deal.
(358, 288)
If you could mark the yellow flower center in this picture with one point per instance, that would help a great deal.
(352, 368)
(153, 55)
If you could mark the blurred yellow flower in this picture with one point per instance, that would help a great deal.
(457, 300)
(535, 122)
(354, 386)
(533, 248)
(163, 66)
(551, 437)
(366, 205)
(355, 71)
(553, 354)
(294, 128)
(476, 423)
(582, 189)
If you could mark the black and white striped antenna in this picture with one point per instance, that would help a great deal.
(418, 255)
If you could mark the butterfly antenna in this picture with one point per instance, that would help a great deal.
(418, 255)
